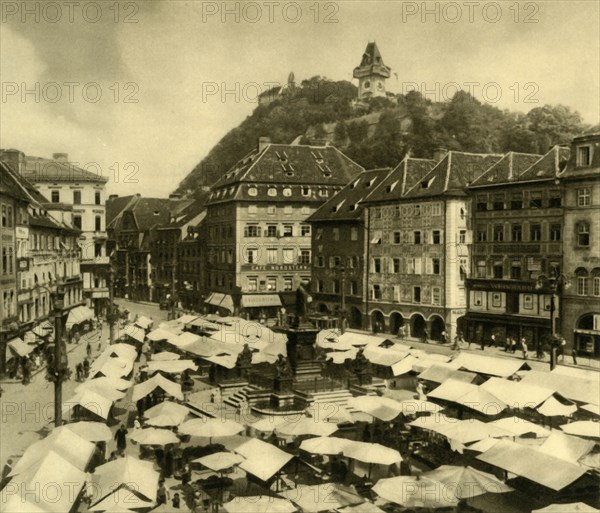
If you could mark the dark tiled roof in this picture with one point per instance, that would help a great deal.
(114, 206)
(284, 164)
(41, 170)
(9, 184)
(185, 215)
(372, 61)
(402, 178)
(507, 169)
(27, 189)
(148, 212)
(345, 205)
(572, 170)
(548, 166)
(452, 174)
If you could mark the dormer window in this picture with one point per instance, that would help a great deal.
(305, 191)
(287, 191)
(252, 191)
(391, 187)
(584, 156)
(272, 191)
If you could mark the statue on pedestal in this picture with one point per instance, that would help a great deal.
(362, 368)
(282, 368)
(244, 361)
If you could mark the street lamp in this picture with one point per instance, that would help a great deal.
(58, 369)
(554, 284)
(342, 274)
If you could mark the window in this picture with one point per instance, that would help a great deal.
(272, 191)
(515, 270)
(271, 284)
(305, 191)
(582, 284)
(377, 265)
(252, 191)
(77, 221)
(305, 230)
(288, 210)
(596, 286)
(97, 250)
(320, 261)
(288, 255)
(436, 209)
(478, 298)
(417, 210)
(584, 156)
(334, 261)
(481, 234)
(498, 233)
(584, 197)
(97, 198)
(324, 192)
(252, 284)
(436, 265)
(517, 233)
(98, 223)
(535, 232)
(76, 197)
(555, 232)
(336, 234)
(516, 201)
(496, 300)
(288, 230)
(252, 230)
(55, 196)
(271, 230)
(287, 284)
(271, 210)
(436, 295)
(287, 191)
(462, 236)
(251, 255)
(535, 200)
(498, 270)
(9, 216)
(354, 262)
(4, 217)
(304, 256)
(353, 288)
(555, 200)
(252, 209)
(583, 234)
(353, 233)
(416, 294)
(376, 291)
(320, 286)
(498, 203)
(336, 286)
(481, 268)
(397, 237)
(481, 205)
(417, 237)
(271, 255)
(396, 265)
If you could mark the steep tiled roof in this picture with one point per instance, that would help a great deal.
(572, 170)
(507, 169)
(9, 184)
(402, 178)
(27, 191)
(147, 212)
(284, 164)
(186, 214)
(41, 170)
(345, 205)
(116, 205)
(452, 174)
(548, 166)
(372, 62)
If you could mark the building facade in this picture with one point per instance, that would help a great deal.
(580, 180)
(190, 268)
(258, 238)
(518, 230)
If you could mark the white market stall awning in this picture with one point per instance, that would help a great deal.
(441, 372)
(171, 366)
(135, 332)
(144, 322)
(517, 394)
(519, 427)
(260, 300)
(567, 447)
(157, 381)
(220, 460)
(127, 471)
(322, 497)
(161, 334)
(263, 460)
(18, 348)
(552, 407)
(92, 401)
(79, 314)
(571, 387)
(489, 365)
(385, 357)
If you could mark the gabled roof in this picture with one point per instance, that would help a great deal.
(572, 170)
(41, 170)
(185, 215)
(147, 212)
(9, 184)
(508, 169)
(549, 166)
(453, 174)
(346, 204)
(402, 178)
(116, 205)
(285, 164)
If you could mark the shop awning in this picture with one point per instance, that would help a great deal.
(502, 367)
(43, 329)
(19, 348)
(78, 315)
(262, 300)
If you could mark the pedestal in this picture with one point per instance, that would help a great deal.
(283, 385)
(364, 378)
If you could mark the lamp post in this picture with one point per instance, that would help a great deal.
(554, 284)
(57, 371)
(342, 274)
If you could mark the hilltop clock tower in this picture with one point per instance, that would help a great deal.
(371, 74)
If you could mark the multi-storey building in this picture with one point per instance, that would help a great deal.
(190, 268)
(41, 255)
(518, 231)
(419, 248)
(580, 311)
(164, 241)
(258, 237)
(77, 196)
(339, 241)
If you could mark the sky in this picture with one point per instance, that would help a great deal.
(141, 91)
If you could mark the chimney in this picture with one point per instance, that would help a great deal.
(174, 196)
(112, 197)
(15, 160)
(439, 154)
(263, 142)
(60, 157)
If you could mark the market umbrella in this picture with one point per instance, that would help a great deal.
(329, 412)
(322, 497)
(372, 453)
(166, 413)
(268, 424)
(153, 436)
(382, 408)
(210, 428)
(164, 421)
(413, 492)
(306, 426)
(123, 499)
(219, 460)
(573, 507)
(325, 445)
(110, 382)
(259, 504)
(165, 356)
(466, 482)
(90, 431)
(586, 428)
(414, 406)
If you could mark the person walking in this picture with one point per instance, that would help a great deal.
(482, 343)
(574, 356)
(492, 341)
(162, 495)
(88, 349)
(86, 367)
(524, 347)
(79, 372)
(120, 437)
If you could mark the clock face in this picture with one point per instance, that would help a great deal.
(367, 84)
